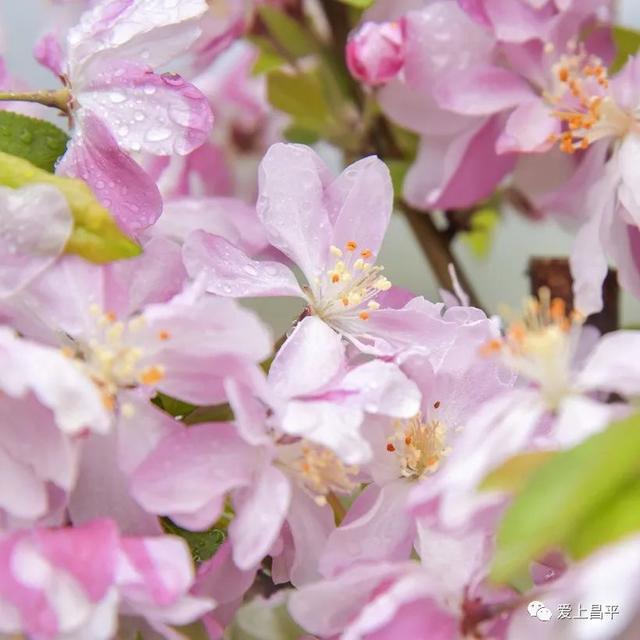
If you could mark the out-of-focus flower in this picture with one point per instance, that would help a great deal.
(73, 583)
(591, 584)
(561, 401)
(28, 248)
(375, 52)
(227, 163)
(120, 105)
(47, 404)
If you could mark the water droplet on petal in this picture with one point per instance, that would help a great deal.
(158, 134)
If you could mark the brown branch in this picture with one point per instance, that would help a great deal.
(435, 246)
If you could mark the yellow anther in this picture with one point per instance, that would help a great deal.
(152, 375)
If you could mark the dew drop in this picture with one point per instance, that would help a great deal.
(158, 134)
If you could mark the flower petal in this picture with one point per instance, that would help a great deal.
(291, 205)
(159, 114)
(121, 185)
(260, 514)
(27, 246)
(227, 271)
(360, 202)
(311, 357)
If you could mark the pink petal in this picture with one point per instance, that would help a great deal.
(160, 114)
(588, 259)
(103, 490)
(119, 183)
(131, 30)
(249, 412)
(230, 218)
(326, 608)
(470, 172)
(482, 90)
(529, 129)
(384, 533)
(27, 249)
(192, 467)
(515, 21)
(360, 202)
(310, 525)
(48, 53)
(56, 382)
(291, 205)
(260, 514)
(88, 553)
(332, 425)
(227, 271)
(310, 358)
(154, 277)
(609, 368)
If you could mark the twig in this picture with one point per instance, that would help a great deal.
(435, 247)
(59, 99)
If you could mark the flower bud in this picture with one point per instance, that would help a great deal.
(375, 52)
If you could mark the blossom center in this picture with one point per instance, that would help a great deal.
(540, 345)
(113, 357)
(348, 288)
(320, 472)
(584, 104)
(419, 445)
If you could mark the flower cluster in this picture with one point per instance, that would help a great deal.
(169, 467)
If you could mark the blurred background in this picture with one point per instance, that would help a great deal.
(500, 278)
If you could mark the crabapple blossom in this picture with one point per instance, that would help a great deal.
(332, 228)
(375, 52)
(170, 470)
(119, 105)
(73, 582)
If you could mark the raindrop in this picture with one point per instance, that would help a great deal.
(250, 270)
(158, 134)
(149, 90)
(26, 136)
(117, 97)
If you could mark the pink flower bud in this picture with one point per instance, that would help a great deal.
(375, 52)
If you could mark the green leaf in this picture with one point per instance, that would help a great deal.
(290, 36)
(302, 97)
(38, 141)
(294, 133)
(573, 488)
(96, 236)
(263, 619)
(398, 170)
(202, 544)
(513, 475)
(358, 4)
(217, 413)
(479, 238)
(173, 406)
(612, 521)
(627, 44)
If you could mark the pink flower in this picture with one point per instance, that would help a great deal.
(375, 52)
(136, 325)
(120, 105)
(608, 579)
(565, 375)
(296, 446)
(443, 599)
(47, 404)
(455, 380)
(72, 583)
(332, 228)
